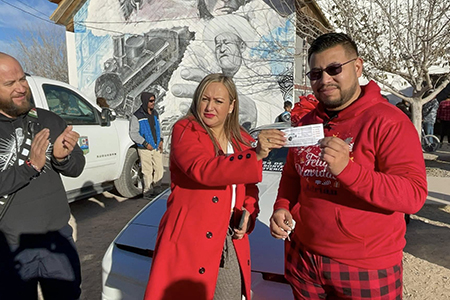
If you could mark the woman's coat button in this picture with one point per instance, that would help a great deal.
(215, 199)
(201, 270)
(209, 235)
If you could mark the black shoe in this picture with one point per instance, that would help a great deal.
(157, 190)
(148, 194)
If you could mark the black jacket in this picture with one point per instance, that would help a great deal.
(40, 203)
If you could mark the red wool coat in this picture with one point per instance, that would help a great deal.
(193, 229)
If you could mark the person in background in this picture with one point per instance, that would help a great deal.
(102, 102)
(36, 244)
(202, 249)
(429, 112)
(286, 115)
(405, 108)
(145, 131)
(443, 116)
(302, 107)
(352, 189)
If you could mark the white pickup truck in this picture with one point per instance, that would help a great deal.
(110, 154)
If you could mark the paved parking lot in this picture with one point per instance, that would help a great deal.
(98, 220)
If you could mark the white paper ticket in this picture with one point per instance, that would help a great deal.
(303, 135)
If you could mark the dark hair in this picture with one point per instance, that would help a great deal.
(287, 104)
(102, 102)
(330, 40)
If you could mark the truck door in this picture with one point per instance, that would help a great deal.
(99, 143)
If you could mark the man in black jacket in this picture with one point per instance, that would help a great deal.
(36, 146)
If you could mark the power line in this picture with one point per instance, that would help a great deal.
(32, 8)
(196, 18)
(27, 12)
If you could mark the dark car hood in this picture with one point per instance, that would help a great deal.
(267, 253)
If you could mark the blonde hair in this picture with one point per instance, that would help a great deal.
(231, 127)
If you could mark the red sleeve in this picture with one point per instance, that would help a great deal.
(289, 189)
(399, 183)
(251, 203)
(190, 152)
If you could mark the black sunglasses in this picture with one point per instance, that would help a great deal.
(151, 101)
(332, 70)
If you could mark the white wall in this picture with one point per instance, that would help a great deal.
(72, 58)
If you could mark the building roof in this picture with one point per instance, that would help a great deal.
(67, 9)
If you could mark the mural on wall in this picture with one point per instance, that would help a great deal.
(125, 47)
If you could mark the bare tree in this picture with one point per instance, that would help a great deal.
(42, 51)
(399, 38)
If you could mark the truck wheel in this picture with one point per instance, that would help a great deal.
(129, 184)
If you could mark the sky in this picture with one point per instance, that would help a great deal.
(18, 15)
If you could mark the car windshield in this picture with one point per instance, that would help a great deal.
(275, 160)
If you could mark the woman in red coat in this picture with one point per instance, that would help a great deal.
(200, 251)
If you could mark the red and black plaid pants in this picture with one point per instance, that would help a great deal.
(318, 277)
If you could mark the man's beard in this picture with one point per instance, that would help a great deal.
(345, 97)
(13, 110)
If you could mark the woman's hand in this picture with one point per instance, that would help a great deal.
(240, 232)
(269, 139)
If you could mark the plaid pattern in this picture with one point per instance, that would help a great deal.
(443, 112)
(318, 277)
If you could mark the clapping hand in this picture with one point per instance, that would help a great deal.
(65, 143)
(39, 148)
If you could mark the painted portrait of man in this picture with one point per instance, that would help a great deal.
(208, 9)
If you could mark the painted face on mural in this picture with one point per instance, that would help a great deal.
(215, 106)
(228, 50)
(14, 90)
(221, 7)
(336, 91)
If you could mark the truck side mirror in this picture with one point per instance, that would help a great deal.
(107, 116)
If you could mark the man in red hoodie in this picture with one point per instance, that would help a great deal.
(353, 189)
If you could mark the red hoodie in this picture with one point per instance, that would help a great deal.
(302, 107)
(356, 217)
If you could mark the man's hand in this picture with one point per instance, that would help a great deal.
(65, 143)
(160, 147)
(281, 223)
(149, 147)
(336, 153)
(39, 147)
